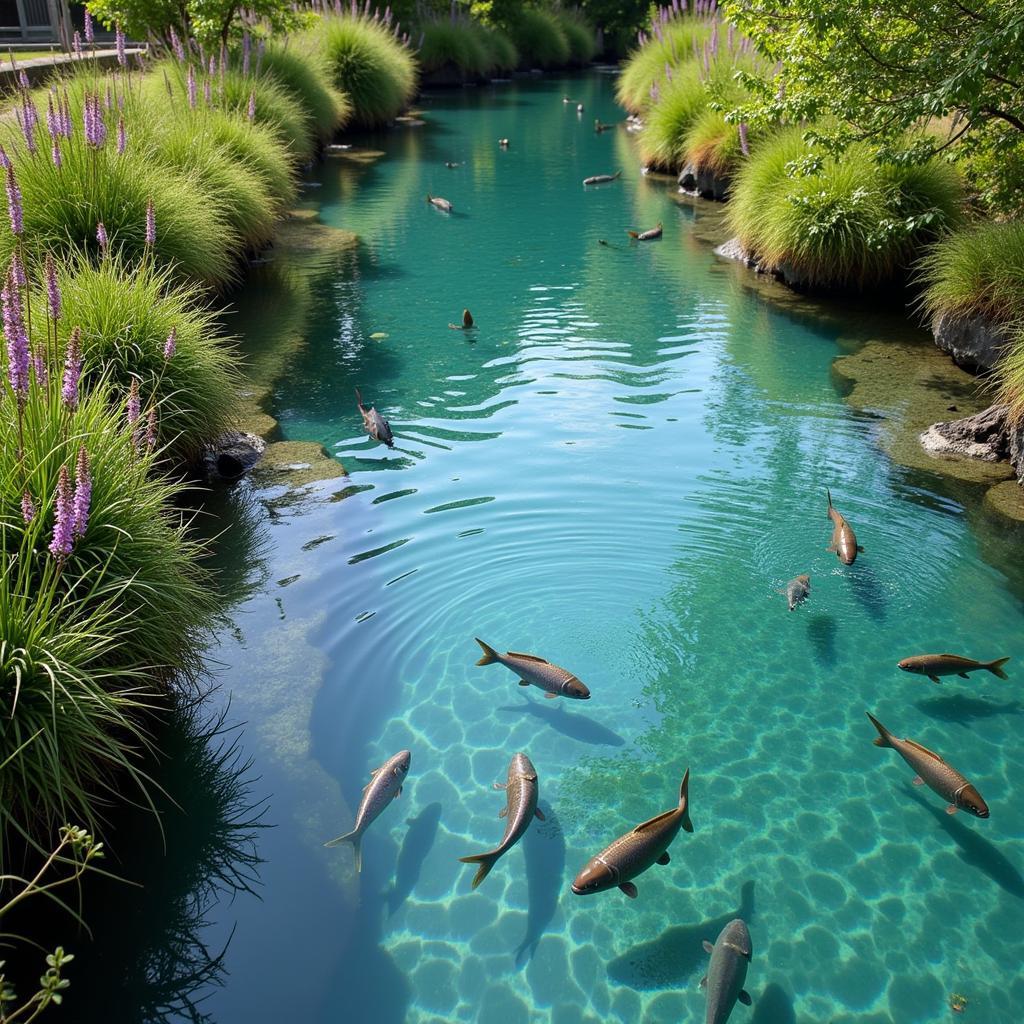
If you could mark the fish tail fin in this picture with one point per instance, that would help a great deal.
(467, 318)
(828, 494)
(354, 837)
(633, 234)
(617, 174)
(996, 667)
(486, 862)
(684, 801)
(490, 654)
(884, 736)
(429, 197)
(359, 398)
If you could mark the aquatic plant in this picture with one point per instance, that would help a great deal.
(839, 223)
(538, 36)
(134, 323)
(372, 67)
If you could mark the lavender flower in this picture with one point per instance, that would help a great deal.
(52, 288)
(63, 542)
(72, 369)
(151, 432)
(744, 148)
(14, 208)
(55, 153)
(95, 127)
(23, 81)
(83, 495)
(191, 87)
(17, 338)
(171, 345)
(5, 160)
(134, 404)
(207, 92)
(90, 37)
(150, 222)
(52, 119)
(119, 43)
(179, 50)
(251, 113)
(101, 235)
(28, 508)
(27, 118)
(76, 43)
(65, 116)
(122, 136)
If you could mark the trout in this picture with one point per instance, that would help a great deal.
(441, 204)
(374, 424)
(935, 665)
(384, 786)
(933, 772)
(554, 681)
(632, 854)
(646, 236)
(797, 590)
(600, 179)
(844, 541)
(520, 809)
(730, 957)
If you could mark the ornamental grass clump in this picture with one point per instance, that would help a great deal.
(368, 63)
(579, 34)
(673, 41)
(453, 42)
(682, 100)
(539, 38)
(134, 324)
(306, 76)
(502, 53)
(72, 181)
(846, 223)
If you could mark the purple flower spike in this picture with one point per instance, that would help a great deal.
(5, 160)
(72, 369)
(63, 542)
(171, 345)
(17, 339)
(251, 113)
(23, 82)
(191, 79)
(83, 495)
(65, 117)
(52, 120)
(134, 404)
(101, 235)
(211, 68)
(55, 153)
(39, 367)
(208, 92)
(77, 43)
(744, 148)
(28, 508)
(52, 288)
(122, 136)
(150, 223)
(119, 43)
(26, 119)
(90, 37)
(179, 50)
(18, 270)
(14, 208)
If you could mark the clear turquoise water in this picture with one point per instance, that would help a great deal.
(615, 471)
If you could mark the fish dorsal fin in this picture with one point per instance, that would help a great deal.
(958, 657)
(924, 750)
(527, 657)
(656, 820)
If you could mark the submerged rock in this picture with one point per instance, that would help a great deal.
(985, 435)
(975, 342)
(706, 183)
(733, 250)
(231, 455)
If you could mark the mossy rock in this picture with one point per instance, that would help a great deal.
(297, 463)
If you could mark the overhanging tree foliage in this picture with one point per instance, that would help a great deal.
(864, 70)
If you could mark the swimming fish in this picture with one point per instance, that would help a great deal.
(441, 204)
(598, 127)
(730, 957)
(646, 236)
(374, 424)
(384, 786)
(599, 179)
(632, 854)
(553, 680)
(935, 665)
(844, 541)
(933, 772)
(520, 809)
(467, 322)
(798, 589)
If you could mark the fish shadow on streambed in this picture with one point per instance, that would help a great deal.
(569, 723)
(976, 850)
(678, 953)
(821, 632)
(774, 1007)
(544, 850)
(416, 846)
(963, 710)
(868, 590)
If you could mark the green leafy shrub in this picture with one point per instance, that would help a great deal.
(454, 42)
(538, 37)
(579, 34)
